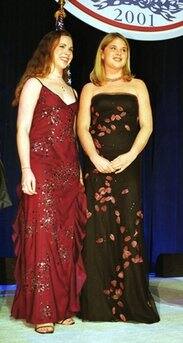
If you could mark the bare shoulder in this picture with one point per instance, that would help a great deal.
(32, 84)
(139, 83)
(88, 87)
(31, 90)
(140, 88)
(88, 91)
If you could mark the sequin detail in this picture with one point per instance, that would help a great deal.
(49, 227)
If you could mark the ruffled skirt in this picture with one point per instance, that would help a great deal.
(48, 235)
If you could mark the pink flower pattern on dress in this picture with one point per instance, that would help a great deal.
(113, 253)
(130, 251)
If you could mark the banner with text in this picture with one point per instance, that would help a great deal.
(136, 19)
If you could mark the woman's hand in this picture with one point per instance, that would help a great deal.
(122, 161)
(28, 182)
(81, 177)
(102, 164)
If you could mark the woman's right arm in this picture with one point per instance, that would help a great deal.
(83, 124)
(27, 103)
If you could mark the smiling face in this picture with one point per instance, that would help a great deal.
(112, 57)
(115, 55)
(63, 53)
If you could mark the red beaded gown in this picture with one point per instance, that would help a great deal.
(48, 230)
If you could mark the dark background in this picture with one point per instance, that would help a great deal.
(158, 63)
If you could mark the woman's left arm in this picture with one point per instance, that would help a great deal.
(146, 126)
(76, 138)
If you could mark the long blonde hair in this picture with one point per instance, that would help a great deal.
(97, 76)
(41, 61)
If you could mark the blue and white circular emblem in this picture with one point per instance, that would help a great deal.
(136, 19)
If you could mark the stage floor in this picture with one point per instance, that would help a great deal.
(168, 294)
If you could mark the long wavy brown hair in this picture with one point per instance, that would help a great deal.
(97, 76)
(41, 61)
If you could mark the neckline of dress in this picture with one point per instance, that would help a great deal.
(114, 93)
(58, 96)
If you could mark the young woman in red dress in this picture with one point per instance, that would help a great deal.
(48, 230)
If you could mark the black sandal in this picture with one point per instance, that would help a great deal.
(67, 321)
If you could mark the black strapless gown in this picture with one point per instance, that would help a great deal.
(116, 286)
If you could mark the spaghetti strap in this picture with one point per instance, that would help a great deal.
(56, 266)
(38, 80)
(75, 94)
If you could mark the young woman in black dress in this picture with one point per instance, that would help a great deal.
(114, 125)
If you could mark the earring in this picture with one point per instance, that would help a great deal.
(69, 75)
